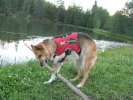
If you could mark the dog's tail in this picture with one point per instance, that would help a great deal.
(84, 37)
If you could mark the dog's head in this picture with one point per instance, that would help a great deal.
(41, 52)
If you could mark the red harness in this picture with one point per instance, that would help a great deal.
(69, 42)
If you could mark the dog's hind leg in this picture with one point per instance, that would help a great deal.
(85, 76)
(86, 70)
(76, 63)
(77, 76)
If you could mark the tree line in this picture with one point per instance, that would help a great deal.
(121, 22)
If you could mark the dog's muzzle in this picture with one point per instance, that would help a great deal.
(43, 63)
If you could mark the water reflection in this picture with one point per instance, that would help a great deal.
(16, 52)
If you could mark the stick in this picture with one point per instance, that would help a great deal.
(27, 46)
(70, 85)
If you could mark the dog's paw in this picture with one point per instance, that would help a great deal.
(79, 86)
(46, 82)
(72, 80)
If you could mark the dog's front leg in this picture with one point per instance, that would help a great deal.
(53, 77)
(57, 64)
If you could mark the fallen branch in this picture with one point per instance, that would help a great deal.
(70, 85)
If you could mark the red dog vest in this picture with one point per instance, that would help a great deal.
(69, 42)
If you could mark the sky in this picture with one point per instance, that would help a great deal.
(111, 5)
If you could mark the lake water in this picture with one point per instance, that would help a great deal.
(15, 30)
(14, 52)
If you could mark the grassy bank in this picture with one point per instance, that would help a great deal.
(102, 34)
(110, 79)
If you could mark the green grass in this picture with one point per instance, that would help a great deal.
(110, 79)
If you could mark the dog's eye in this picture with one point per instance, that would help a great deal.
(39, 56)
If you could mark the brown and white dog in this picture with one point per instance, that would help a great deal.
(83, 50)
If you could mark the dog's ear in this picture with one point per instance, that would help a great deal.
(37, 47)
(32, 46)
